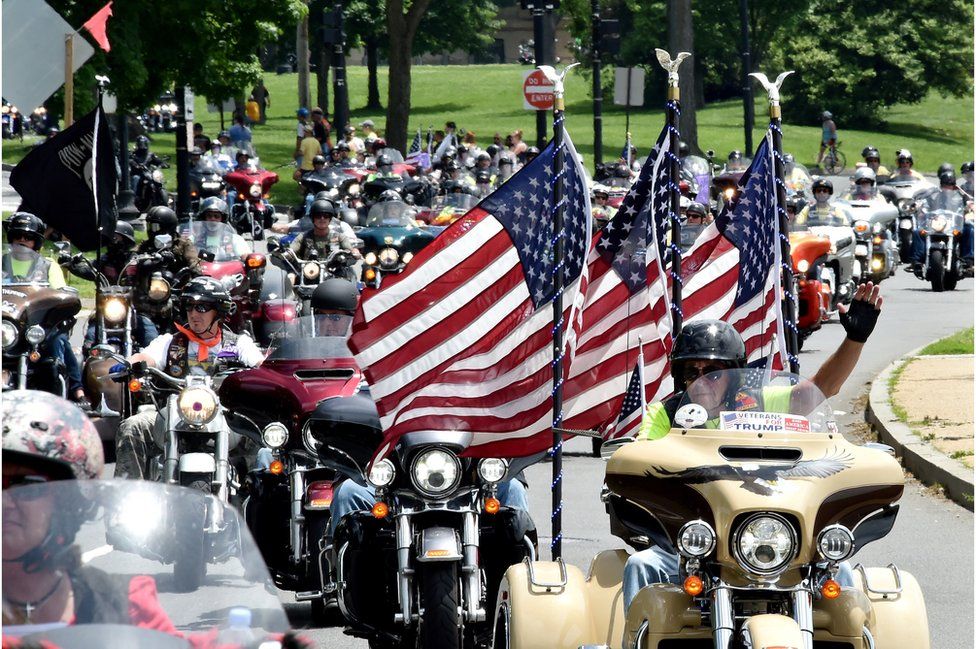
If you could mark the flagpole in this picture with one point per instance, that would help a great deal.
(101, 82)
(786, 265)
(673, 108)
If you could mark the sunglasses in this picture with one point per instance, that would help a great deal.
(26, 481)
(321, 216)
(710, 371)
(202, 308)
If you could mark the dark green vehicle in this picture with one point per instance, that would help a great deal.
(392, 236)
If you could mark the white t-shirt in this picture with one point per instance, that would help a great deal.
(247, 351)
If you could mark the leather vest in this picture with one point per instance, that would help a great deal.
(178, 361)
(38, 271)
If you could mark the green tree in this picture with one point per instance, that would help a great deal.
(869, 55)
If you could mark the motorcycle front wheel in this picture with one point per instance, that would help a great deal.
(190, 566)
(937, 271)
(440, 600)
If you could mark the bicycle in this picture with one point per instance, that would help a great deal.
(834, 161)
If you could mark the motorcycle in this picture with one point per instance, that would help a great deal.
(447, 209)
(438, 521)
(153, 525)
(940, 225)
(808, 253)
(307, 393)
(310, 272)
(151, 190)
(206, 180)
(391, 238)
(251, 213)
(763, 514)
(841, 268)
(903, 191)
(332, 181)
(34, 314)
(876, 252)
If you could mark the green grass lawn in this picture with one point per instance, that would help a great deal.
(487, 99)
(960, 342)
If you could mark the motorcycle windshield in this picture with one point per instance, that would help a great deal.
(689, 234)
(395, 155)
(218, 238)
(131, 564)
(206, 167)
(319, 336)
(948, 201)
(621, 183)
(330, 177)
(834, 217)
(695, 165)
(391, 214)
(755, 400)
(20, 264)
(941, 221)
(459, 202)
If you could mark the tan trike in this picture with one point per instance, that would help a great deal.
(763, 501)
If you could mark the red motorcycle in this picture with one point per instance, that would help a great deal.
(302, 406)
(251, 212)
(263, 294)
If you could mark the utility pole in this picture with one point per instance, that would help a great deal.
(748, 106)
(182, 156)
(544, 52)
(301, 53)
(597, 86)
(340, 91)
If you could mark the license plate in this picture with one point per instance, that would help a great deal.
(906, 224)
(860, 250)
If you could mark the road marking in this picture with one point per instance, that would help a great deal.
(97, 552)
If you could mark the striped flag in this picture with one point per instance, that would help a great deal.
(462, 340)
(634, 404)
(732, 272)
(626, 302)
(416, 145)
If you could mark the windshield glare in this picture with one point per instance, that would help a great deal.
(754, 400)
(834, 217)
(127, 535)
(21, 260)
(219, 238)
(319, 336)
(390, 213)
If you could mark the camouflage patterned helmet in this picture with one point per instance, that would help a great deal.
(42, 425)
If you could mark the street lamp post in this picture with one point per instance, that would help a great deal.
(746, 80)
(597, 86)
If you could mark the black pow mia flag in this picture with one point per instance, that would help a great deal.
(70, 181)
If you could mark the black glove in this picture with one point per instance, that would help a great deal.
(859, 320)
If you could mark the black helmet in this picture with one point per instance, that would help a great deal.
(683, 149)
(451, 165)
(389, 195)
(621, 171)
(822, 183)
(383, 160)
(161, 220)
(318, 160)
(944, 167)
(506, 159)
(335, 294)
(793, 203)
(967, 167)
(735, 154)
(706, 340)
(696, 209)
(483, 177)
(207, 290)
(342, 146)
(483, 157)
(492, 150)
(870, 152)
(142, 142)
(125, 230)
(322, 206)
(449, 153)
(213, 204)
(531, 152)
(27, 224)
(904, 154)
(947, 177)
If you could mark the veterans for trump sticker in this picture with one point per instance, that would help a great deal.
(761, 422)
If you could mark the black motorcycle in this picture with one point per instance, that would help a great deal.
(422, 568)
(151, 188)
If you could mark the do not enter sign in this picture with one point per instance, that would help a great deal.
(537, 91)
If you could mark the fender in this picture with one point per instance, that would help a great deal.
(761, 631)
(439, 544)
(197, 463)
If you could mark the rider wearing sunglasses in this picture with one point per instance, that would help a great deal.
(193, 349)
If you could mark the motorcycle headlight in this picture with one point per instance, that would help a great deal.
(157, 107)
(370, 259)
(311, 271)
(382, 473)
(861, 226)
(729, 193)
(275, 435)
(389, 256)
(35, 334)
(197, 405)
(407, 257)
(159, 289)
(157, 176)
(877, 228)
(436, 472)
(764, 544)
(172, 107)
(835, 543)
(255, 191)
(492, 469)
(114, 309)
(803, 265)
(10, 334)
(696, 539)
(939, 223)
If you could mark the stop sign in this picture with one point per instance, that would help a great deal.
(537, 91)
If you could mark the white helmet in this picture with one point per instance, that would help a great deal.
(865, 173)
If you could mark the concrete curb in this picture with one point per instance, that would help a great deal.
(926, 463)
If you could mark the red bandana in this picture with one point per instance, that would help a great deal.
(203, 349)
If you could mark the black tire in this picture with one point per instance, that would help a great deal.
(325, 615)
(834, 162)
(190, 567)
(440, 598)
(951, 279)
(937, 271)
(905, 246)
(501, 638)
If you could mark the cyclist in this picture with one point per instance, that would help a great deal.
(828, 139)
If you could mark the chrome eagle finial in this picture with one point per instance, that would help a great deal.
(556, 77)
(771, 87)
(671, 65)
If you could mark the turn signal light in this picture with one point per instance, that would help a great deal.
(492, 505)
(922, 233)
(370, 274)
(956, 233)
(255, 260)
(435, 553)
(877, 241)
(380, 510)
(277, 467)
(34, 356)
(693, 585)
(830, 589)
(135, 385)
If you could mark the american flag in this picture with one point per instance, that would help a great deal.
(626, 301)
(416, 145)
(634, 404)
(462, 340)
(732, 272)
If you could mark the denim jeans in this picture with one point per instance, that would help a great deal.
(61, 349)
(352, 497)
(144, 332)
(965, 245)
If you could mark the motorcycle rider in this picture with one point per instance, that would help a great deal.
(735, 162)
(26, 232)
(193, 349)
(162, 220)
(214, 210)
(140, 158)
(825, 212)
(905, 166)
(947, 186)
(602, 212)
(872, 158)
(697, 214)
(323, 238)
(967, 184)
(384, 168)
(828, 137)
(796, 179)
(709, 346)
(864, 186)
(506, 167)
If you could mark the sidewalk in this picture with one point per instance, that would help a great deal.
(923, 407)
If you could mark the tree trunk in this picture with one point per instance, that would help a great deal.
(681, 38)
(322, 79)
(373, 92)
(401, 28)
(301, 52)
